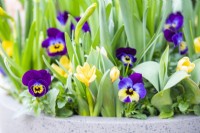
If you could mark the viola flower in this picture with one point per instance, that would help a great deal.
(86, 74)
(174, 21)
(131, 88)
(126, 55)
(62, 17)
(197, 44)
(185, 65)
(55, 43)
(37, 81)
(178, 41)
(65, 62)
(85, 28)
(114, 73)
(8, 47)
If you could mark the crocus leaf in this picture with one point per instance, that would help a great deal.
(163, 67)
(195, 76)
(175, 79)
(150, 71)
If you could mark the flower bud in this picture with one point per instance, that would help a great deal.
(185, 65)
(114, 73)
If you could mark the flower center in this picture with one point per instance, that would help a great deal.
(129, 91)
(38, 89)
(57, 47)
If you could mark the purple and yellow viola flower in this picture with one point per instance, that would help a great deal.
(37, 81)
(62, 17)
(178, 41)
(131, 88)
(126, 55)
(174, 21)
(55, 43)
(85, 28)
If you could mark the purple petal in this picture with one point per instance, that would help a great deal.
(60, 37)
(177, 38)
(125, 83)
(86, 27)
(46, 42)
(127, 100)
(127, 50)
(36, 75)
(136, 78)
(62, 17)
(52, 32)
(45, 76)
(39, 82)
(140, 89)
(175, 20)
(168, 35)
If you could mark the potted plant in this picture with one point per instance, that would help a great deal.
(134, 59)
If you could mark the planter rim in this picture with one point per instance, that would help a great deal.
(78, 124)
(7, 100)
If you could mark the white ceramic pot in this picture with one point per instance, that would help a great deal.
(78, 124)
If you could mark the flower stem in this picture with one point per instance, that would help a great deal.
(90, 101)
(127, 67)
(2, 87)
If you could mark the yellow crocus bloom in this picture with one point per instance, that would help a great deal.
(114, 73)
(197, 44)
(65, 62)
(2, 12)
(8, 47)
(185, 65)
(86, 74)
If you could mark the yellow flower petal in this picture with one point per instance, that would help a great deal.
(184, 64)
(85, 73)
(114, 73)
(8, 47)
(197, 44)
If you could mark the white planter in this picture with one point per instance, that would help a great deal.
(78, 124)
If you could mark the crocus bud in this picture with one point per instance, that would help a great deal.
(114, 73)
(185, 65)
(197, 44)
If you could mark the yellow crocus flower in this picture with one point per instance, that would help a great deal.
(114, 73)
(8, 47)
(197, 44)
(86, 74)
(2, 12)
(185, 65)
(65, 62)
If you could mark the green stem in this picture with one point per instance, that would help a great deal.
(2, 87)
(127, 67)
(90, 101)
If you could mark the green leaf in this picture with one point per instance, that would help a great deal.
(51, 97)
(61, 103)
(196, 109)
(83, 108)
(163, 68)
(183, 106)
(195, 76)
(192, 91)
(163, 102)
(64, 112)
(83, 19)
(150, 71)
(175, 79)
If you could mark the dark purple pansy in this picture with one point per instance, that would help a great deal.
(85, 28)
(62, 17)
(126, 55)
(55, 43)
(37, 81)
(174, 21)
(131, 88)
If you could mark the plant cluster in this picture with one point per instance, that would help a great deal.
(119, 58)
